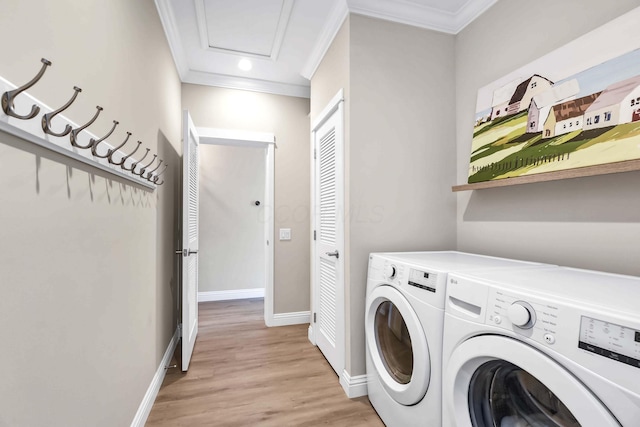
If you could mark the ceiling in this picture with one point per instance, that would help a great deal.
(284, 40)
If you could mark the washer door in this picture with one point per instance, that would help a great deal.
(397, 345)
(499, 381)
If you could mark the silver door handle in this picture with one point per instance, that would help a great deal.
(334, 253)
(185, 252)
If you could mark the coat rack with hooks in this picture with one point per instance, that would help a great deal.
(81, 144)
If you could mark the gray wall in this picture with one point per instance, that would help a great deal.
(400, 150)
(86, 265)
(231, 228)
(585, 222)
(287, 118)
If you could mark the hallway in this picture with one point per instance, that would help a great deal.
(245, 374)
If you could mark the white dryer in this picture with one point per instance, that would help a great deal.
(552, 347)
(403, 324)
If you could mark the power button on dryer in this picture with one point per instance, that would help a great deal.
(549, 338)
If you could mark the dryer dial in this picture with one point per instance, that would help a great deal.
(522, 314)
(390, 271)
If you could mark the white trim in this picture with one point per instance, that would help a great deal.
(170, 26)
(269, 234)
(278, 38)
(353, 386)
(470, 11)
(243, 83)
(310, 334)
(235, 137)
(331, 27)
(266, 141)
(417, 15)
(286, 319)
(206, 296)
(327, 111)
(152, 392)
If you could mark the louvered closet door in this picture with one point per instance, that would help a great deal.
(329, 226)
(190, 206)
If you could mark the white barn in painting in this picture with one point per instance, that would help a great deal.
(525, 91)
(541, 103)
(568, 116)
(619, 103)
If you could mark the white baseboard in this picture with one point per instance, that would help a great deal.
(310, 335)
(353, 386)
(286, 319)
(231, 294)
(152, 392)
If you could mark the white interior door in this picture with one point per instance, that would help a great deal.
(328, 259)
(190, 141)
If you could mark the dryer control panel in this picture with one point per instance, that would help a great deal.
(423, 280)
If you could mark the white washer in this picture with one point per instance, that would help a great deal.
(552, 347)
(403, 324)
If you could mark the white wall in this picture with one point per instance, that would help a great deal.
(585, 222)
(287, 118)
(87, 271)
(232, 245)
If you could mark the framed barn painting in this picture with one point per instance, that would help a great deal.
(577, 106)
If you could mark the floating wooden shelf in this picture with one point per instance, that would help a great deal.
(626, 166)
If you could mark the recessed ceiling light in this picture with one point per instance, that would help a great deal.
(245, 64)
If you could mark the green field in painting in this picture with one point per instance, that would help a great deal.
(502, 149)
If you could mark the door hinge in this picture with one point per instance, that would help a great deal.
(315, 153)
(314, 317)
(314, 234)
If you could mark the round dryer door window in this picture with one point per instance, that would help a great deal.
(397, 345)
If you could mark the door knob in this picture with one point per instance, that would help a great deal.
(334, 253)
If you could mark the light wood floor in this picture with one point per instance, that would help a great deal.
(245, 374)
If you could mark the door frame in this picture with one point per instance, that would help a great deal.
(335, 105)
(267, 141)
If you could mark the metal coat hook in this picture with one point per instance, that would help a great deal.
(112, 151)
(9, 96)
(73, 136)
(124, 159)
(95, 142)
(153, 170)
(155, 178)
(46, 119)
(133, 166)
(144, 168)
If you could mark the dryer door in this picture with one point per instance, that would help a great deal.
(397, 345)
(499, 381)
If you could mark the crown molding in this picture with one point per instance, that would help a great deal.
(243, 83)
(329, 32)
(470, 11)
(173, 36)
(409, 13)
(401, 11)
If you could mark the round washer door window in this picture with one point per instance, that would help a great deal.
(397, 345)
(501, 393)
(493, 380)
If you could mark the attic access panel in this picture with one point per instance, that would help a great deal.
(577, 107)
(253, 28)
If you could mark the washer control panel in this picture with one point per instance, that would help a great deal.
(538, 320)
(613, 341)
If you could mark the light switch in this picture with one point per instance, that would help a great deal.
(285, 234)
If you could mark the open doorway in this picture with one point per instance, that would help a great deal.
(236, 216)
